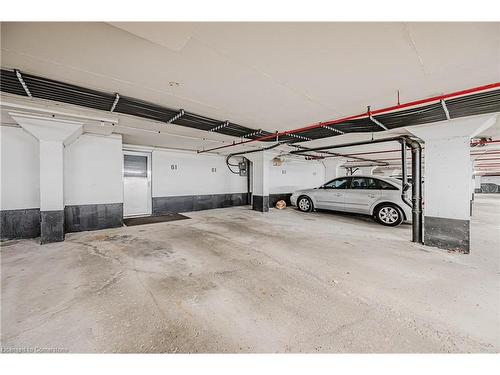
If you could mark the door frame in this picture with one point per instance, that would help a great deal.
(148, 156)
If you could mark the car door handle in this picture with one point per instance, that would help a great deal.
(338, 194)
(371, 195)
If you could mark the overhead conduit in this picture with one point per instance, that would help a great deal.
(14, 82)
(477, 100)
(474, 101)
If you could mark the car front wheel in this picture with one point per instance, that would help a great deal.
(305, 204)
(389, 215)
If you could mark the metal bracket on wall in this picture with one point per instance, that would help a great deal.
(21, 80)
(377, 122)
(218, 127)
(117, 97)
(176, 117)
(445, 109)
(332, 129)
(252, 134)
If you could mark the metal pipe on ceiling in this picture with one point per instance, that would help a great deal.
(438, 98)
(330, 154)
(351, 144)
(416, 193)
(484, 142)
(404, 171)
(45, 88)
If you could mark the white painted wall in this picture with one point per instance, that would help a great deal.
(333, 168)
(93, 170)
(51, 175)
(297, 175)
(448, 169)
(448, 174)
(20, 176)
(193, 174)
(52, 134)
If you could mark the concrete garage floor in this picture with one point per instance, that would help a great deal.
(234, 280)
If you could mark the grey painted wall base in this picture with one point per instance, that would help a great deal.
(260, 203)
(51, 226)
(187, 203)
(449, 234)
(20, 223)
(79, 218)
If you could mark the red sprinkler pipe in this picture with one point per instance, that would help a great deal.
(485, 153)
(485, 142)
(481, 159)
(362, 115)
(488, 165)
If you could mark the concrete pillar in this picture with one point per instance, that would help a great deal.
(261, 162)
(333, 168)
(53, 135)
(447, 174)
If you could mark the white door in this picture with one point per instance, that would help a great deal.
(136, 183)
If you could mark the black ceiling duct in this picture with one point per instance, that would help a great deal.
(44, 88)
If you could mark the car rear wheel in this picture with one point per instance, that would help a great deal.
(389, 215)
(305, 204)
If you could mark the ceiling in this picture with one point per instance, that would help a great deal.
(271, 76)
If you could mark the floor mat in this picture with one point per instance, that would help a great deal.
(153, 219)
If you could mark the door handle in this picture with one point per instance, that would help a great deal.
(371, 195)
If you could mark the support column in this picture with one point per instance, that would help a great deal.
(51, 191)
(53, 135)
(448, 177)
(261, 162)
(333, 168)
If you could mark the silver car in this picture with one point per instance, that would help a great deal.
(380, 197)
